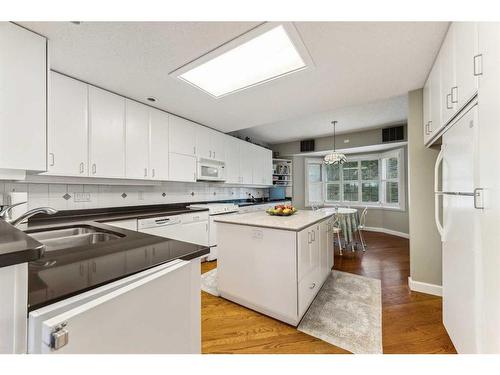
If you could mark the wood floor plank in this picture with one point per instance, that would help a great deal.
(411, 321)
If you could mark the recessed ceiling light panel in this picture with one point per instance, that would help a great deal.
(268, 52)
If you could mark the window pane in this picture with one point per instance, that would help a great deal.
(351, 191)
(369, 191)
(315, 193)
(333, 192)
(350, 170)
(391, 192)
(332, 172)
(369, 169)
(392, 168)
(314, 171)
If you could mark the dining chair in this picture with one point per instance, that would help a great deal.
(362, 226)
(334, 225)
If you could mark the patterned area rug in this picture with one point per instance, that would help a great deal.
(347, 312)
(209, 282)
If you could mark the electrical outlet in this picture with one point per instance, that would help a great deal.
(81, 197)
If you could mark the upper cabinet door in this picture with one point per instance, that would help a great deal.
(232, 157)
(246, 162)
(68, 127)
(137, 140)
(218, 143)
(158, 160)
(427, 108)
(448, 80)
(182, 139)
(203, 143)
(435, 120)
(107, 133)
(465, 50)
(268, 166)
(23, 99)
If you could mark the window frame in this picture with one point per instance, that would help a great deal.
(381, 203)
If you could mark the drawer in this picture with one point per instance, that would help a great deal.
(307, 289)
(194, 217)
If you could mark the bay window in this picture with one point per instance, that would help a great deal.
(368, 180)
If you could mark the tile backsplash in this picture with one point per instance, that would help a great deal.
(71, 197)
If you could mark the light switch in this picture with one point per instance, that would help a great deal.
(82, 197)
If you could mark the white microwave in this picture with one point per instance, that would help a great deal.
(210, 170)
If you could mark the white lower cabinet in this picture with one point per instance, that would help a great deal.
(154, 311)
(274, 271)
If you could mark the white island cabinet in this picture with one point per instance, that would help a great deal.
(274, 265)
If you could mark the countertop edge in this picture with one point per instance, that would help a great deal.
(294, 229)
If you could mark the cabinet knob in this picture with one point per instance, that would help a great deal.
(52, 159)
(152, 172)
(313, 285)
(94, 168)
(145, 172)
(82, 167)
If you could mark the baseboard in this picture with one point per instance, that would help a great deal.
(387, 231)
(418, 286)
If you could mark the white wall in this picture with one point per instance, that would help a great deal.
(53, 195)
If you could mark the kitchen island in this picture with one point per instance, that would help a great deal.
(273, 264)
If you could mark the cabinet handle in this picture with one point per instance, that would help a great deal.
(454, 94)
(313, 285)
(94, 267)
(194, 176)
(478, 65)
(194, 150)
(52, 158)
(210, 154)
(309, 237)
(152, 172)
(82, 167)
(448, 101)
(81, 269)
(94, 168)
(426, 128)
(430, 127)
(145, 172)
(314, 235)
(214, 154)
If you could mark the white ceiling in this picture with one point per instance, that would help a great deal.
(355, 63)
(352, 118)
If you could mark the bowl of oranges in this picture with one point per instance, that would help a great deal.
(282, 210)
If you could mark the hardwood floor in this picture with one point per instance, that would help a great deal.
(411, 321)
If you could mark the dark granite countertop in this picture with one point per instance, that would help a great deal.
(101, 215)
(60, 274)
(16, 247)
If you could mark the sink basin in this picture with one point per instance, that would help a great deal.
(58, 239)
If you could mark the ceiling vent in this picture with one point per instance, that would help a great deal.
(396, 133)
(307, 145)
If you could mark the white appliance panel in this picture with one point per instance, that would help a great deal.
(460, 244)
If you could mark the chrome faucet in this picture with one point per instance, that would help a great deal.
(6, 213)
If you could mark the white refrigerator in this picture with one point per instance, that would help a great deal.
(461, 248)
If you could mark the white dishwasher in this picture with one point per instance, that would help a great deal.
(189, 227)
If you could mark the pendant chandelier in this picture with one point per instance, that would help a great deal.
(335, 158)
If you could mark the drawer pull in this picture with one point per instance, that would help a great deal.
(313, 285)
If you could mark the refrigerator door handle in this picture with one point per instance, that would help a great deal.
(437, 193)
(478, 194)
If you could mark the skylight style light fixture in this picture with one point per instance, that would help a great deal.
(335, 158)
(267, 52)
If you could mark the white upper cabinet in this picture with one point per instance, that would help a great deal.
(107, 133)
(465, 50)
(210, 144)
(446, 60)
(452, 82)
(262, 164)
(246, 156)
(137, 140)
(181, 167)
(158, 157)
(68, 127)
(232, 156)
(182, 136)
(23, 99)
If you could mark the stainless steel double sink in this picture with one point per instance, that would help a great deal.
(66, 238)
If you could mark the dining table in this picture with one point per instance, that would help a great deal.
(348, 221)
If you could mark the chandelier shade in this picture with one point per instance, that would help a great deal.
(335, 158)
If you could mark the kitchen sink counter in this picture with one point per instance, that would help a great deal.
(296, 222)
(60, 274)
(16, 247)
